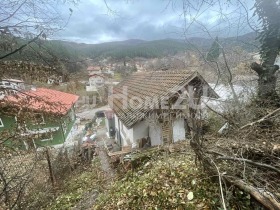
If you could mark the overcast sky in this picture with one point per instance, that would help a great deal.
(93, 22)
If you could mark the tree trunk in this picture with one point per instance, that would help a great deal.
(267, 82)
(50, 168)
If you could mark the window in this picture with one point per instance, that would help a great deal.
(44, 136)
(1, 123)
(38, 118)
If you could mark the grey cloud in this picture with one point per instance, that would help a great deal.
(92, 22)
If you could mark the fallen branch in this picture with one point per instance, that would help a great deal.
(265, 198)
(260, 120)
(221, 186)
(263, 165)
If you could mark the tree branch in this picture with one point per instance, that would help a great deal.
(265, 198)
(263, 165)
(23, 46)
(260, 120)
(223, 116)
(11, 15)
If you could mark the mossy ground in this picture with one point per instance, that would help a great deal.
(170, 181)
(78, 187)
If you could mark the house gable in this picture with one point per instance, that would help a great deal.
(143, 92)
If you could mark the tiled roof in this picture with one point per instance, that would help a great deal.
(93, 68)
(43, 99)
(155, 84)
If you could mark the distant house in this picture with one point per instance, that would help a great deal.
(139, 67)
(54, 80)
(10, 86)
(38, 117)
(95, 81)
(153, 107)
(108, 71)
(94, 70)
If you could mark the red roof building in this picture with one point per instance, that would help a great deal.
(93, 68)
(43, 99)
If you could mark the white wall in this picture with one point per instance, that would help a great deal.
(91, 88)
(155, 134)
(116, 121)
(179, 130)
(140, 130)
(95, 80)
(126, 134)
(144, 129)
(116, 127)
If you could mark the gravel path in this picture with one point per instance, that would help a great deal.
(104, 159)
(91, 196)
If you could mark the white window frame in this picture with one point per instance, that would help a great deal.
(1, 123)
(49, 139)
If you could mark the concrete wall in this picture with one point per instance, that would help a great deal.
(155, 134)
(117, 129)
(140, 130)
(179, 130)
(95, 80)
(126, 134)
(144, 129)
(91, 88)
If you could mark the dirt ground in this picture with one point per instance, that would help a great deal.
(109, 173)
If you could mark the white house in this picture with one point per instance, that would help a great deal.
(94, 70)
(10, 86)
(54, 79)
(14, 84)
(152, 108)
(95, 81)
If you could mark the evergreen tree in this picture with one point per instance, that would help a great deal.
(214, 51)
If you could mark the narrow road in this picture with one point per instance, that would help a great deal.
(89, 114)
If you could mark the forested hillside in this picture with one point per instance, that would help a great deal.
(151, 49)
(72, 54)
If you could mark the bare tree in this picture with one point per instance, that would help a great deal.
(29, 20)
(23, 22)
(264, 21)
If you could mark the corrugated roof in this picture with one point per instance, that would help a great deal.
(43, 99)
(152, 85)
